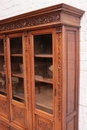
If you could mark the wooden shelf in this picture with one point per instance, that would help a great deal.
(2, 72)
(1, 54)
(17, 55)
(20, 75)
(44, 102)
(19, 95)
(45, 80)
(3, 90)
(44, 55)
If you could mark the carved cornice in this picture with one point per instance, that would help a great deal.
(32, 21)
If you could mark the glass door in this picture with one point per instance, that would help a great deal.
(43, 72)
(4, 102)
(2, 69)
(17, 76)
(17, 85)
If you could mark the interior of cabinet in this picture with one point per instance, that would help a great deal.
(43, 66)
(2, 69)
(17, 75)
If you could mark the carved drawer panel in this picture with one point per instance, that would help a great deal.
(3, 108)
(19, 115)
(43, 124)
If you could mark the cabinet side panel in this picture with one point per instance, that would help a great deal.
(70, 125)
(70, 61)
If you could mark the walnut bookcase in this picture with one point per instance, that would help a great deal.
(39, 69)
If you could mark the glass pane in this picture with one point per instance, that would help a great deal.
(2, 65)
(18, 89)
(1, 46)
(2, 84)
(44, 96)
(16, 45)
(43, 44)
(17, 65)
(17, 75)
(43, 66)
(2, 69)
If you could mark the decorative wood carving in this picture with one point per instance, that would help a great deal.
(4, 124)
(3, 107)
(7, 126)
(18, 115)
(58, 31)
(5, 52)
(27, 64)
(41, 19)
(12, 128)
(44, 124)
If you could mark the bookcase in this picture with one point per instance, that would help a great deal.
(39, 69)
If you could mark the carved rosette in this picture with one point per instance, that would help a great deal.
(19, 115)
(27, 22)
(27, 64)
(59, 31)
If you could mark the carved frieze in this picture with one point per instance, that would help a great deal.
(27, 22)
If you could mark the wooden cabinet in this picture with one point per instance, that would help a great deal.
(39, 69)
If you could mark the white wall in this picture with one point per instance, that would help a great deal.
(10, 8)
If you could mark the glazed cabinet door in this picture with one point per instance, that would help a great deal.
(4, 103)
(18, 79)
(43, 80)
